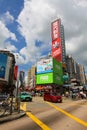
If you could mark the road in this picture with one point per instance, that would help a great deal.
(69, 115)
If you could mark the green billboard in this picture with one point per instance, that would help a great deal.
(57, 67)
(44, 78)
(58, 79)
(49, 78)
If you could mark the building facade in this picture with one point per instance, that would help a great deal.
(76, 72)
(82, 75)
(63, 44)
(32, 77)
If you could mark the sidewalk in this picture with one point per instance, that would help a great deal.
(13, 116)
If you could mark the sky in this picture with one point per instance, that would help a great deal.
(25, 29)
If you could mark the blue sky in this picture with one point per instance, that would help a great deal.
(12, 8)
(25, 28)
(9, 11)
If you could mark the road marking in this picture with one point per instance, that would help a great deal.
(35, 119)
(23, 107)
(68, 114)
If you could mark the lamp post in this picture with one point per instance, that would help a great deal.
(17, 92)
(13, 63)
(17, 95)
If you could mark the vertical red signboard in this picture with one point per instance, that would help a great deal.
(55, 27)
(56, 40)
(15, 72)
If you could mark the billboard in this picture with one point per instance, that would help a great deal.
(57, 67)
(15, 72)
(3, 65)
(49, 78)
(56, 40)
(58, 79)
(57, 49)
(45, 66)
(48, 66)
(44, 78)
(55, 29)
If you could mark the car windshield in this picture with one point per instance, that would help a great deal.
(24, 93)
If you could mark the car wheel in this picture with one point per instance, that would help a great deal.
(30, 100)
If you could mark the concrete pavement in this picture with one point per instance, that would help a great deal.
(16, 115)
(13, 116)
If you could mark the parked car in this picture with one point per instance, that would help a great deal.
(25, 96)
(52, 98)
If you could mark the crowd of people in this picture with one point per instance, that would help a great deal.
(75, 95)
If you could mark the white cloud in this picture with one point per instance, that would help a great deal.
(5, 34)
(73, 45)
(35, 24)
(6, 18)
(82, 3)
(10, 47)
(19, 59)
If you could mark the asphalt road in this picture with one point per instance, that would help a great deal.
(69, 115)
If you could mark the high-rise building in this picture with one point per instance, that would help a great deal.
(63, 44)
(76, 71)
(32, 77)
(82, 75)
(71, 66)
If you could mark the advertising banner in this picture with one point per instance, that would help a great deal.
(58, 79)
(49, 78)
(57, 67)
(15, 72)
(45, 66)
(44, 78)
(57, 49)
(55, 29)
(3, 63)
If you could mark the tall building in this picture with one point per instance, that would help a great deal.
(70, 66)
(82, 75)
(63, 44)
(76, 71)
(32, 77)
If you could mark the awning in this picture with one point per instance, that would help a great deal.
(39, 88)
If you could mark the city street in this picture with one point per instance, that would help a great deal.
(44, 115)
(43, 65)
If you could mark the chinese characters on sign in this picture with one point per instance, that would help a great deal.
(56, 40)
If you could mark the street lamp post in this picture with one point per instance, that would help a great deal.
(17, 92)
(17, 96)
